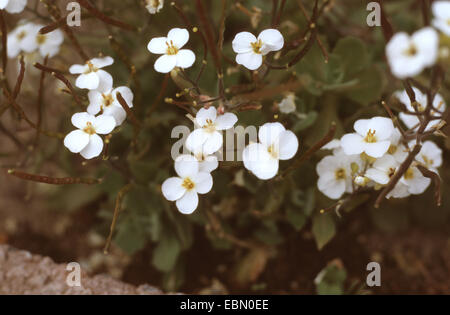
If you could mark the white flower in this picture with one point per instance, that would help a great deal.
(154, 6)
(22, 38)
(409, 55)
(191, 181)
(335, 175)
(412, 121)
(372, 137)
(250, 50)
(85, 140)
(275, 143)
(441, 12)
(91, 76)
(416, 182)
(430, 155)
(108, 104)
(208, 135)
(382, 169)
(287, 104)
(49, 43)
(170, 49)
(13, 6)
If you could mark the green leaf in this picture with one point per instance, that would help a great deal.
(369, 87)
(166, 253)
(323, 229)
(353, 55)
(296, 218)
(331, 279)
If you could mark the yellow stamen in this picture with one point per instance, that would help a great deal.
(171, 48)
(107, 100)
(41, 38)
(188, 183)
(409, 174)
(92, 68)
(392, 149)
(89, 129)
(256, 46)
(411, 51)
(21, 35)
(272, 151)
(370, 137)
(210, 126)
(339, 174)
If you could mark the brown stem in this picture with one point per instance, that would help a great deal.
(53, 180)
(94, 11)
(436, 180)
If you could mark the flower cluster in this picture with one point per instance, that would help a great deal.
(408, 55)
(103, 101)
(154, 6)
(26, 38)
(370, 156)
(194, 170)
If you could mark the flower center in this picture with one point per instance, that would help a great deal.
(21, 35)
(391, 172)
(92, 68)
(411, 51)
(89, 129)
(107, 100)
(272, 151)
(256, 46)
(210, 126)
(171, 48)
(188, 183)
(427, 161)
(370, 136)
(339, 174)
(409, 174)
(153, 3)
(392, 149)
(200, 157)
(40, 38)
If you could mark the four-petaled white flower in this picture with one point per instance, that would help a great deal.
(430, 155)
(154, 6)
(208, 135)
(275, 143)
(13, 6)
(412, 121)
(416, 182)
(191, 181)
(335, 175)
(170, 49)
(409, 55)
(22, 38)
(49, 43)
(107, 103)
(250, 50)
(86, 140)
(372, 137)
(91, 76)
(382, 169)
(206, 162)
(287, 104)
(441, 12)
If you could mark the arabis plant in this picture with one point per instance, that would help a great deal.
(48, 44)
(154, 6)
(86, 140)
(275, 144)
(409, 55)
(372, 137)
(13, 6)
(250, 50)
(441, 12)
(190, 182)
(208, 132)
(91, 76)
(22, 39)
(170, 49)
(107, 103)
(207, 163)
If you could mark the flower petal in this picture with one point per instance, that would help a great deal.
(205, 114)
(117, 112)
(203, 182)
(104, 124)
(102, 62)
(80, 120)
(226, 121)
(352, 143)
(16, 6)
(105, 81)
(242, 42)
(269, 133)
(94, 147)
(213, 143)
(209, 164)
(157, 45)
(196, 139)
(95, 102)
(185, 58)
(172, 188)
(165, 63)
(378, 176)
(186, 165)
(383, 126)
(272, 40)
(330, 187)
(377, 149)
(126, 93)
(179, 36)
(188, 203)
(250, 60)
(77, 69)
(88, 81)
(288, 145)
(76, 141)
